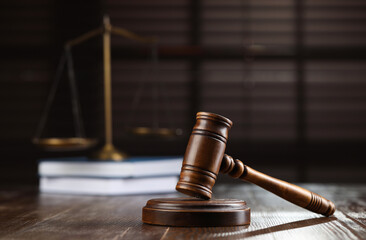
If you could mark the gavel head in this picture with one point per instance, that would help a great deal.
(204, 153)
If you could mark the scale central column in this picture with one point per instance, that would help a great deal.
(107, 81)
(108, 152)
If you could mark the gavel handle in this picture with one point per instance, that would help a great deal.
(292, 193)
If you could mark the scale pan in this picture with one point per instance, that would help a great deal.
(157, 132)
(65, 144)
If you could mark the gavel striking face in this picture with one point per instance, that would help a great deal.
(205, 157)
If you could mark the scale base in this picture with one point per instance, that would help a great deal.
(109, 152)
(193, 212)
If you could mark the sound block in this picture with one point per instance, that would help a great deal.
(193, 212)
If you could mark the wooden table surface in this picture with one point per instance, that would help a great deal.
(26, 214)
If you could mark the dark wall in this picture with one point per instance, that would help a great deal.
(290, 74)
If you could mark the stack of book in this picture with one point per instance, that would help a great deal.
(137, 175)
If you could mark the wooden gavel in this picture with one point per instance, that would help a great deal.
(205, 157)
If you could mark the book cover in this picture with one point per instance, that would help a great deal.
(107, 186)
(133, 167)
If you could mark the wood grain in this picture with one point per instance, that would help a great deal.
(25, 214)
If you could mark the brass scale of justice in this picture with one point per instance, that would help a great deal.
(204, 158)
(80, 142)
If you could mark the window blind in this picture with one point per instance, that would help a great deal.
(26, 28)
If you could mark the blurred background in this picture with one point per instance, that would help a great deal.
(290, 74)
